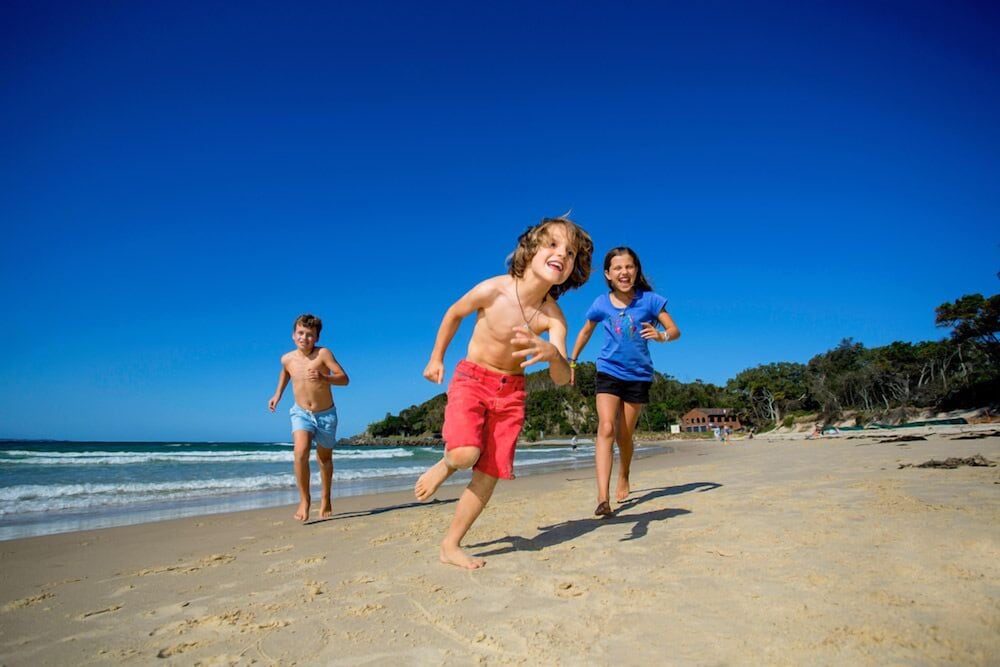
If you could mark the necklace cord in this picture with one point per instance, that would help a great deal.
(524, 317)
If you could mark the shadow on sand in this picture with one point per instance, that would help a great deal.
(566, 531)
(379, 510)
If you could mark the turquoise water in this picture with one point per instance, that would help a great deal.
(52, 487)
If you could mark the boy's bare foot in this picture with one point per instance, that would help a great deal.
(622, 489)
(302, 514)
(431, 480)
(455, 556)
(325, 510)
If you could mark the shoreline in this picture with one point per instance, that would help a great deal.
(351, 505)
(40, 523)
(788, 551)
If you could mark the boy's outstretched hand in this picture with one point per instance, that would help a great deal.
(530, 344)
(434, 371)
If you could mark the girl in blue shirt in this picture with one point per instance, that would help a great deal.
(629, 313)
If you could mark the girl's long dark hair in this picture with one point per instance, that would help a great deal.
(640, 280)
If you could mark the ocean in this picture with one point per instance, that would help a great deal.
(53, 487)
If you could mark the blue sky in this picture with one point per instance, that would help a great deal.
(181, 180)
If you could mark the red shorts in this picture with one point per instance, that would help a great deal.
(486, 410)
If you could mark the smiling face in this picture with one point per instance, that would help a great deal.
(542, 243)
(305, 338)
(555, 258)
(621, 273)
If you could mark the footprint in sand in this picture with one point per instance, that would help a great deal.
(25, 602)
(314, 589)
(121, 654)
(366, 609)
(208, 561)
(234, 618)
(311, 560)
(276, 550)
(53, 584)
(177, 649)
(90, 614)
(566, 589)
(216, 559)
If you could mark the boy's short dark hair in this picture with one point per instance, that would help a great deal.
(531, 239)
(309, 322)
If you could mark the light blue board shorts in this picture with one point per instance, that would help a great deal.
(322, 425)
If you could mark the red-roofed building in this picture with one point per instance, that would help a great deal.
(705, 419)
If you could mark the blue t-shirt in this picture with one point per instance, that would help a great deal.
(625, 354)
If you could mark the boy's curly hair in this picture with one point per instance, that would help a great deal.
(309, 322)
(529, 242)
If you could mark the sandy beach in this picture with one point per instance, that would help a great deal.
(780, 551)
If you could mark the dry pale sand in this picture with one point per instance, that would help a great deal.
(783, 552)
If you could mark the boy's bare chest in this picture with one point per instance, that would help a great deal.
(298, 367)
(501, 323)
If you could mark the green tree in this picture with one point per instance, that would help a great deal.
(975, 324)
(973, 319)
(391, 425)
(771, 390)
(839, 379)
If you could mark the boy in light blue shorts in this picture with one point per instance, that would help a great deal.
(322, 425)
(312, 370)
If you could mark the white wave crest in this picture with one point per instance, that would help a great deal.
(44, 498)
(49, 498)
(136, 458)
(360, 453)
(24, 457)
(377, 473)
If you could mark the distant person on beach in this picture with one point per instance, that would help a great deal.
(312, 370)
(485, 409)
(630, 312)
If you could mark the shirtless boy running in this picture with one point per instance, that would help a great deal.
(485, 409)
(312, 370)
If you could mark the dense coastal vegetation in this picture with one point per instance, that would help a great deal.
(960, 371)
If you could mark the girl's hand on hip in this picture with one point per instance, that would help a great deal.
(650, 332)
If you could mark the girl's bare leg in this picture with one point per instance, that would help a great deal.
(470, 506)
(302, 440)
(628, 417)
(607, 418)
(324, 457)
